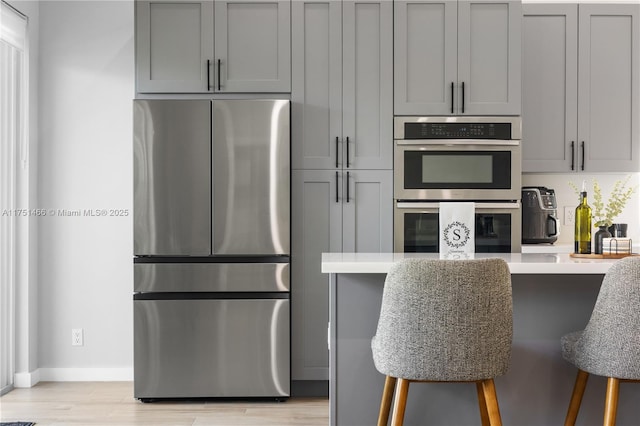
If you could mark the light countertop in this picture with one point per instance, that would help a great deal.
(519, 263)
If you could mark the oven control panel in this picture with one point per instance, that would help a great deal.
(432, 130)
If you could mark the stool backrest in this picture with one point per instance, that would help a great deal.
(610, 343)
(445, 320)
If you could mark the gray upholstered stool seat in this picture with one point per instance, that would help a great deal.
(444, 321)
(609, 345)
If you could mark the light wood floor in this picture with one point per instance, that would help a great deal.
(112, 403)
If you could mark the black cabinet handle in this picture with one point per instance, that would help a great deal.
(337, 188)
(463, 97)
(573, 155)
(219, 67)
(337, 149)
(582, 163)
(348, 175)
(347, 151)
(452, 97)
(208, 75)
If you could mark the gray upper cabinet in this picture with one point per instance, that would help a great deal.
(174, 41)
(457, 57)
(580, 87)
(185, 46)
(609, 87)
(253, 46)
(342, 85)
(549, 86)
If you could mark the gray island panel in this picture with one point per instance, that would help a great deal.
(535, 391)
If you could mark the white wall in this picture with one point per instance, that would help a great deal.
(85, 263)
(566, 196)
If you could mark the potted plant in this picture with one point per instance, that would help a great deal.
(604, 213)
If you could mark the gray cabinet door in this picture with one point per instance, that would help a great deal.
(174, 40)
(454, 58)
(489, 57)
(581, 78)
(342, 86)
(550, 87)
(316, 228)
(425, 57)
(367, 211)
(252, 46)
(609, 77)
(367, 81)
(316, 92)
(332, 211)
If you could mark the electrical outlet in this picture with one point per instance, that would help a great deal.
(569, 215)
(77, 337)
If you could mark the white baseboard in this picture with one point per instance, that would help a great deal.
(27, 380)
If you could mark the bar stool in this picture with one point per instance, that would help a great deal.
(609, 345)
(444, 321)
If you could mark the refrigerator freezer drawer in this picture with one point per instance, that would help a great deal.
(206, 277)
(211, 348)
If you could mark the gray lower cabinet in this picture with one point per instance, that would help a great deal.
(342, 84)
(185, 46)
(457, 57)
(331, 211)
(581, 96)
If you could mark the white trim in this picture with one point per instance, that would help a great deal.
(86, 374)
(26, 380)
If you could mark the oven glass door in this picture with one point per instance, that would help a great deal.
(497, 229)
(463, 171)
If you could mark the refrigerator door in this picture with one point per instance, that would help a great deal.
(251, 177)
(211, 348)
(172, 177)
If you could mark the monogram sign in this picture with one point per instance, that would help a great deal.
(457, 230)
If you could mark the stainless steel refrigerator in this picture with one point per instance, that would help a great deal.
(211, 249)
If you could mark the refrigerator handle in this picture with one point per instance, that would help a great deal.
(337, 188)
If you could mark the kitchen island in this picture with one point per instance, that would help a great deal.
(553, 294)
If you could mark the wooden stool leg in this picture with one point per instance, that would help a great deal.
(482, 402)
(400, 402)
(611, 401)
(385, 404)
(491, 399)
(576, 398)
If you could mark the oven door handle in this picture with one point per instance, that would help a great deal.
(497, 142)
(422, 205)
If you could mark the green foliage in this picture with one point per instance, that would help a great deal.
(604, 214)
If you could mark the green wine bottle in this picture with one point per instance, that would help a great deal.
(583, 225)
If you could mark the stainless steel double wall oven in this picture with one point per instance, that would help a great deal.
(447, 159)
